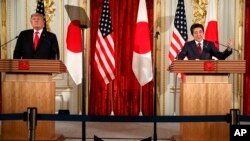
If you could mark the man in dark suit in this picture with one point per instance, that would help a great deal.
(36, 43)
(200, 49)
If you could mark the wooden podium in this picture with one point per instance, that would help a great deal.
(205, 91)
(28, 83)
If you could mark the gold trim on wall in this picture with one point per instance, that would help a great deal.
(26, 14)
(240, 48)
(3, 28)
(4, 52)
(85, 76)
(158, 66)
(199, 11)
(61, 30)
(49, 12)
(240, 27)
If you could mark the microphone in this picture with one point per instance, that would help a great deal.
(8, 41)
(216, 42)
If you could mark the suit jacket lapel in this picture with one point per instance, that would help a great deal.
(42, 37)
(30, 42)
(194, 48)
(204, 47)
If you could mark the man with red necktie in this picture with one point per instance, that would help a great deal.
(200, 49)
(36, 43)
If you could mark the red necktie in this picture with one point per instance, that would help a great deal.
(36, 39)
(199, 48)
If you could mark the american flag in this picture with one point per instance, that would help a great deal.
(104, 52)
(179, 35)
(41, 9)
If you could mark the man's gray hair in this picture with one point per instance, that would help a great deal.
(37, 14)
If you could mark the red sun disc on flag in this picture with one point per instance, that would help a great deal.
(142, 42)
(74, 37)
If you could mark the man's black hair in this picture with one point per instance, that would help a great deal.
(196, 25)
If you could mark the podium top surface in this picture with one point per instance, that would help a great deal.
(208, 66)
(32, 66)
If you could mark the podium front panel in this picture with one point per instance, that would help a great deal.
(205, 95)
(21, 91)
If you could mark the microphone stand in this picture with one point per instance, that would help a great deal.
(8, 41)
(227, 47)
(238, 53)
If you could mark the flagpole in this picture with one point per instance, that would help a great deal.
(154, 64)
(83, 86)
(140, 114)
(112, 99)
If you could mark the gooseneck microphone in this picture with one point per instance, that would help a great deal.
(216, 42)
(9, 41)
